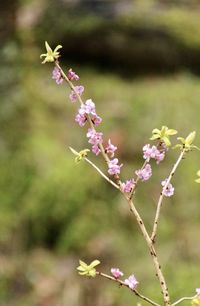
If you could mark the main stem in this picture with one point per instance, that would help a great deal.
(159, 274)
(152, 250)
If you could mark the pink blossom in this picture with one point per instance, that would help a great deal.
(116, 273)
(96, 150)
(110, 149)
(57, 76)
(95, 138)
(147, 152)
(169, 191)
(96, 120)
(87, 108)
(81, 119)
(153, 152)
(72, 76)
(145, 173)
(77, 90)
(159, 157)
(131, 282)
(128, 185)
(113, 167)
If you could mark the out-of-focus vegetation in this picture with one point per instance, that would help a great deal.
(51, 211)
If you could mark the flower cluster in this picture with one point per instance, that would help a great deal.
(110, 149)
(95, 138)
(78, 90)
(169, 191)
(153, 152)
(113, 167)
(72, 76)
(145, 173)
(57, 76)
(88, 108)
(128, 185)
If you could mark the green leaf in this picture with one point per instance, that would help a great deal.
(181, 139)
(156, 131)
(88, 270)
(95, 263)
(190, 138)
(155, 136)
(83, 264)
(73, 151)
(163, 134)
(48, 48)
(171, 132)
(166, 141)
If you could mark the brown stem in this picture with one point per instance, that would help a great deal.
(153, 253)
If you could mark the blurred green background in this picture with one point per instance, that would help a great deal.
(140, 62)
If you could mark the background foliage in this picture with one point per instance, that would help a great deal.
(139, 61)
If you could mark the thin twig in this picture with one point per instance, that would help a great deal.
(101, 173)
(159, 205)
(95, 167)
(122, 283)
(185, 298)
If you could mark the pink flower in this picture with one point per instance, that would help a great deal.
(152, 152)
(77, 90)
(96, 120)
(56, 75)
(128, 185)
(110, 149)
(147, 152)
(131, 282)
(113, 167)
(145, 173)
(72, 76)
(87, 108)
(159, 157)
(116, 273)
(169, 191)
(81, 119)
(95, 138)
(95, 149)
